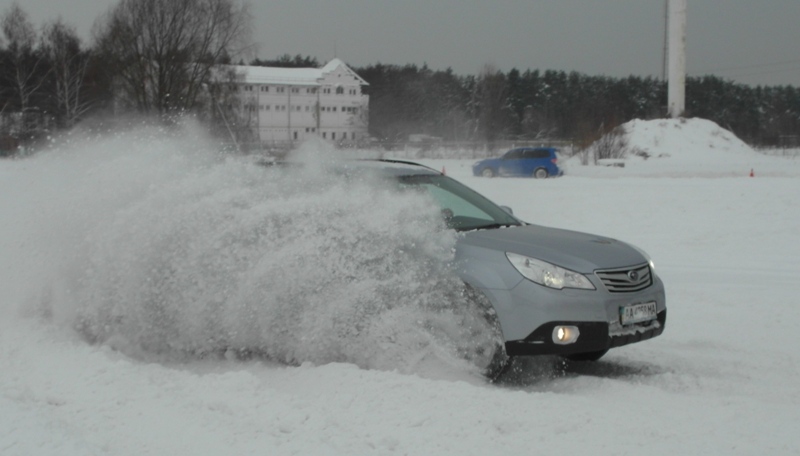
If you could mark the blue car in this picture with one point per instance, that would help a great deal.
(538, 162)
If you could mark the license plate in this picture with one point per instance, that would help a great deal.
(637, 313)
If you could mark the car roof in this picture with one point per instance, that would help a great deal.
(549, 149)
(397, 167)
(388, 167)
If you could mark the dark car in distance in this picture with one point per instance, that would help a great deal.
(538, 162)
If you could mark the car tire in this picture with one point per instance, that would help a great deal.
(588, 356)
(487, 172)
(540, 173)
(492, 358)
(499, 365)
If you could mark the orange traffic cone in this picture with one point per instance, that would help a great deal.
(752, 174)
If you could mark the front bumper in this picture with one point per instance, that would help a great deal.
(594, 336)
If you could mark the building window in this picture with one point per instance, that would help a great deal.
(353, 136)
(295, 134)
(312, 90)
(280, 89)
(339, 90)
(324, 135)
(265, 88)
(295, 90)
(333, 135)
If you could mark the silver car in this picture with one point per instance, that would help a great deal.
(553, 291)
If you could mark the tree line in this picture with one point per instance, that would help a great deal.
(157, 58)
(534, 105)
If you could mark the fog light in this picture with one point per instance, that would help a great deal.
(563, 335)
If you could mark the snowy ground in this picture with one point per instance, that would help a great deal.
(722, 379)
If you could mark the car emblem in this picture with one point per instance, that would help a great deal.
(633, 275)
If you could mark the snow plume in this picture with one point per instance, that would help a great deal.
(157, 246)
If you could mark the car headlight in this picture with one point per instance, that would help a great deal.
(548, 274)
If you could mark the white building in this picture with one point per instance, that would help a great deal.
(286, 105)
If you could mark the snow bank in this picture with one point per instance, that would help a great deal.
(685, 147)
(695, 141)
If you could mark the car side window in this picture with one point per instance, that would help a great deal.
(514, 154)
(462, 209)
(541, 153)
(456, 204)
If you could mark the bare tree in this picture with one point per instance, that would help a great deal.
(24, 70)
(69, 64)
(161, 52)
(613, 143)
(232, 117)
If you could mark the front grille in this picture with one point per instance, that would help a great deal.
(626, 280)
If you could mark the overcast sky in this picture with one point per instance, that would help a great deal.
(753, 42)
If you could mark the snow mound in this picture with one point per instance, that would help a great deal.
(688, 140)
(678, 148)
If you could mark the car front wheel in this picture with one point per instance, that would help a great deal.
(496, 361)
(489, 355)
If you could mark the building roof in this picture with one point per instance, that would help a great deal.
(296, 76)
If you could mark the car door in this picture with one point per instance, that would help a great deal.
(530, 161)
(538, 158)
(511, 163)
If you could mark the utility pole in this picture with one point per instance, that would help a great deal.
(676, 85)
(666, 41)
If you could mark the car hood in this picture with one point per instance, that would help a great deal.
(580, 252)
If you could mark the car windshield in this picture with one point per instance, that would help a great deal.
(462, 208)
